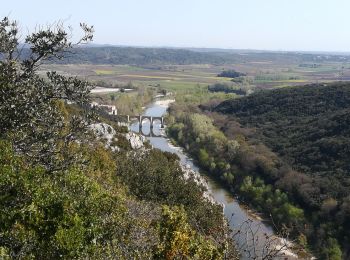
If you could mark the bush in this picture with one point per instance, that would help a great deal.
(50, 216)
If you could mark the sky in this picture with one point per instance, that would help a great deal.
(282, 25)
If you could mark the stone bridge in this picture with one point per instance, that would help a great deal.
(113, 116)
(141, 119)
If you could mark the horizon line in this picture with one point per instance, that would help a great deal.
(222, 48)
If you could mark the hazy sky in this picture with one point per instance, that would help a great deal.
(311, 25)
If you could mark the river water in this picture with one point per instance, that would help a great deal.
(252, 237)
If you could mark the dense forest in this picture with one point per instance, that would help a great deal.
(285, 152)
(74, 187)
(308, 127)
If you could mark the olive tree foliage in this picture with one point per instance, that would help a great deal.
(30, 112)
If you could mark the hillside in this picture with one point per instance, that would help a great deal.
(74, 187)
(308, 128)
(305, 125)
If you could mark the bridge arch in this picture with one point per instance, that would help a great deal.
(149, 134)
(160, 119)
(149, 118)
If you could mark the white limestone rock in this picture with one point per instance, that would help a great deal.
(189, 173)
(107, 133)
(136, 141)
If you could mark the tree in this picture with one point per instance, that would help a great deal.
(232, 149)
(231, 74)
(332, 251)
(203, 157)
(30, 112)
(179, 241)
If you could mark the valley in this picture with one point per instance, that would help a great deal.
(265, 166)
(175, 130)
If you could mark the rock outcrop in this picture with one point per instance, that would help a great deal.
(108, 134)
(136, 141)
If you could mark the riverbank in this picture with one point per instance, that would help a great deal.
(255, 221)
(164, 103)
(236, 214)
(103, 90)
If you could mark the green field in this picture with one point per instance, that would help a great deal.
(260, 74)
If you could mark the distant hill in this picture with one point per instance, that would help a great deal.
(105, 54)
(142, 56)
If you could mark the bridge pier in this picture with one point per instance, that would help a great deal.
(151, 123)
(160, 118)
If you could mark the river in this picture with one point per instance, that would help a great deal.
(240, 218)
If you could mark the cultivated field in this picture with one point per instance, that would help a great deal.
(260, 74)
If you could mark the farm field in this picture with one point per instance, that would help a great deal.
(260, 74)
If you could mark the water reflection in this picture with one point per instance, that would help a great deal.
(146, 130)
